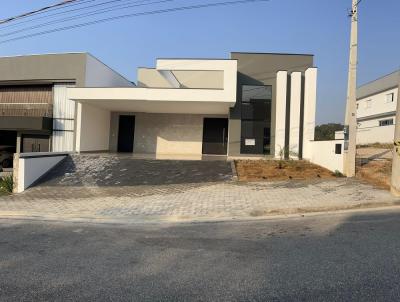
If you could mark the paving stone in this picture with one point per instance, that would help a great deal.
(79, 188)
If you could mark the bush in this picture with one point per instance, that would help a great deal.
(6, 184)
(327, 131)
(337, 173)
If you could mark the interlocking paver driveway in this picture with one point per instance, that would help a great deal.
(138, 190)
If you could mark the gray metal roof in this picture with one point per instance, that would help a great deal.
(384, 83)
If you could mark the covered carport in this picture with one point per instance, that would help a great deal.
(161, 122)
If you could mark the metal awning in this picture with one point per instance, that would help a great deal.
(18, 123)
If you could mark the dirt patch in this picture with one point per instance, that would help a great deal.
(377, 173)
(377, 146)
(274, 170)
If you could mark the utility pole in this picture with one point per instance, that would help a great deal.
(395, 183)
(350, 127)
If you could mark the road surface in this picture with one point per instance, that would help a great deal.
(332, 257)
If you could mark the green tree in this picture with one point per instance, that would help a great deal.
(327, 131)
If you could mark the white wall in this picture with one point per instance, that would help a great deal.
(323, 154)
(280, 117)
(32, 166)
(295, 103)
(339, 134)
(378, 104)
(310, 103)
(100, 75)
(93, 128)
(369, 132)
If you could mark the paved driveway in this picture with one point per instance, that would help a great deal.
(122, 189)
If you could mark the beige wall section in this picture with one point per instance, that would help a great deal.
(207, 79)
(210, 79)
(61, 67)
(168, 134)
(93, 129)
(163, 134)
(150, 77)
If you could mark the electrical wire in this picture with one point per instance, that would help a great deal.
(139, 14)
(63, 12)
(86, 14)
(40, 10)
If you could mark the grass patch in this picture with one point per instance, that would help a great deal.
(6, 185)
(274, 170)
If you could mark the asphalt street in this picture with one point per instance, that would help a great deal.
(333, 257)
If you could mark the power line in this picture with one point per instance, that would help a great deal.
(87, 14)
(154, 12)
(24, 15)
(63, 12)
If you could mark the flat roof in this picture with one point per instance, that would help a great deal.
(272, 53)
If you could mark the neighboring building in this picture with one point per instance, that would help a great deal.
(376, 109)
(35, 113)
(253, 104)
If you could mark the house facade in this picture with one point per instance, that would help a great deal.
(376, 109)
(250, 105)
(35, 113)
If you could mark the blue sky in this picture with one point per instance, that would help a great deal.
(320, 27)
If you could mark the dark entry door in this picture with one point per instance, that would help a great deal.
(126, 132)
(215, 136)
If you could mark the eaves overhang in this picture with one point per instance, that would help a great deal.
(156, 100)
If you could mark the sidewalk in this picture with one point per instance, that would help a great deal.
(192, 202)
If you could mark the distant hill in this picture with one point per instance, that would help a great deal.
(327, 131)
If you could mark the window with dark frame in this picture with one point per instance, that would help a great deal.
(390, 97)
(338, 149)
(387, 122)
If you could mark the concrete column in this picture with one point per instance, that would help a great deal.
(295, 101)
(310, 101)
(19, 142)
(395, 188)
(78, 127)
(16, 172)
(280, 116)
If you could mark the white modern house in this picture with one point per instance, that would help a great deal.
(376, 109)
(250, 105)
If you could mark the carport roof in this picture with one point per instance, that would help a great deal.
(157, 100)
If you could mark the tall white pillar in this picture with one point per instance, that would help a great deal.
(78, 127)
(295, 101)
(280, 115)
(310, 101)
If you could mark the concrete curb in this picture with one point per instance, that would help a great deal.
(159, 220)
